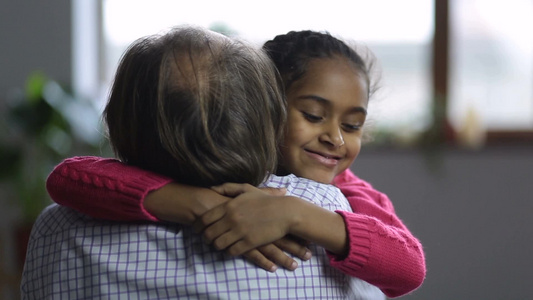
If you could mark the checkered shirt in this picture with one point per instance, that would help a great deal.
(73, 256)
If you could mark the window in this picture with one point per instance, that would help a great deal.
(490, 57)
(400, 43)
(491, 64)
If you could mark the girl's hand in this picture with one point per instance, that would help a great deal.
(252, 219)
(269, 256)
(181, 203)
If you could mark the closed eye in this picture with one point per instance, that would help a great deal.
(312, 118)
(352, 127)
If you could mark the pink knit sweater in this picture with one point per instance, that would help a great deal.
(382, 250)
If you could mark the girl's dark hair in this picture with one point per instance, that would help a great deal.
(292, 52)
(197, 107)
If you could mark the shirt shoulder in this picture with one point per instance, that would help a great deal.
(56, 218)
(324, 195)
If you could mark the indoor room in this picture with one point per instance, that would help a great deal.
(448, 136)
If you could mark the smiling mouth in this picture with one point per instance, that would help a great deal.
(328, 160)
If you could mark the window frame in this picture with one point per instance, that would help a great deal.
(89, 84)
(440, 89)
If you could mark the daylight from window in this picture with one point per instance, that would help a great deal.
(492, 63)
(491, 49)
(398, 37)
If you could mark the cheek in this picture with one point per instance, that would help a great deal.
(296, 132)
(353, 147)
(291, 142)
(296, 128)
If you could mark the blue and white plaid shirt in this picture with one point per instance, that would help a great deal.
(73, 256)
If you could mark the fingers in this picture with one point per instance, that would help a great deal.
(294, 247)
(208, 218)
(274, 191)
(233, 189)
(213, 232)
(269, 256)
(260, 260)
(222, 234)
(234, 249)
(277, 256)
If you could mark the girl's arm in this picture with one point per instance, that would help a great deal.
(108, 189)
(382, 251)
(104, 188)
(253, 218)
(371, 243)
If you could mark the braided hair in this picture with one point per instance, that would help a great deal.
(292, 52)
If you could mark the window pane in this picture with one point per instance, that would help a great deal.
(401, 43)
(491, 63)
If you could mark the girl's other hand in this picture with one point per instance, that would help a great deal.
(236, 189)
(181, 203)
(253, 218)
(270, 256)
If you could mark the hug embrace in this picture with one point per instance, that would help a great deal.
(232, 181)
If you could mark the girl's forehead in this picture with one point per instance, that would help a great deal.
(337, 63)
(334, 80)
(330, 73)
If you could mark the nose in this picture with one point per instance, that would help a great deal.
(332, 135)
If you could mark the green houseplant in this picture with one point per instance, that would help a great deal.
(41, 125)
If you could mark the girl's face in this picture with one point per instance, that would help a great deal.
(327, 110)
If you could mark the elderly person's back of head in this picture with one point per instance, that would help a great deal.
(198, 107)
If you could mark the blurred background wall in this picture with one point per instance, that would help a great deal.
(472, 213)
(470, 208)
(34, 35)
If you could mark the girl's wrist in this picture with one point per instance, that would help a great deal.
(171, 203)
(317, 225)
(296, 215)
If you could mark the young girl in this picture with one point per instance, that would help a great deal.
(327, 86)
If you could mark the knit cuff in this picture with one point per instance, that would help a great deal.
(139, 189)
(128, 187)
(358, 233)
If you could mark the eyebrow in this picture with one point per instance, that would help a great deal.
(324, 101)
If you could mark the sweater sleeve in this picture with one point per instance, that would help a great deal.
(103, 188)
(382, 250)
